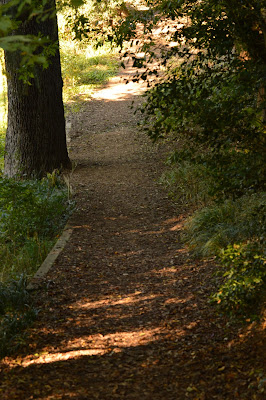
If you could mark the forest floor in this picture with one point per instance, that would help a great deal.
(124, 311)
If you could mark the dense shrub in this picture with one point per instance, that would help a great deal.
(244, 278)
(32, 213)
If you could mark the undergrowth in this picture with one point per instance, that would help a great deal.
(188, 184)
(229, 228)
(218, 225)
(234, 232)
(16, 314)
(32, 215)
(244, 283)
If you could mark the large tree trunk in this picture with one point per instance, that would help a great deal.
(36, 138)
(263, 90)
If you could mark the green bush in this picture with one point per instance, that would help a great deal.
(244, 279)
(235, 172)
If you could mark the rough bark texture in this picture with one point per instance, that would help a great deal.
(36, 139)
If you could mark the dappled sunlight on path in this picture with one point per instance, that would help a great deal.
(124, 312)
(121, 87)
(118, 91)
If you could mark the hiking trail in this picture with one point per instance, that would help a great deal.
(125, 311)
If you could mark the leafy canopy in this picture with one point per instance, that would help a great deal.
(34, 49)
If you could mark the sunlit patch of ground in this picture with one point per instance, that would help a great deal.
(118, 91)
(133, 298)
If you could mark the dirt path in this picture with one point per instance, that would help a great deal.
(125, 312)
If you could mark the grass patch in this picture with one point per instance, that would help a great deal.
(188, 184)
(16, 260)
(84, 69)
(32, 215)
(213, 228)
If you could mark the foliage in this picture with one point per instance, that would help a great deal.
(86, 20)
(103, 21)
(32, 214)
(214, 227)
(212, 91)
(224, 118)
(16, 314)
(34, 49)
(37, 49)
(244, 280)
(188, 184)
(29, 206)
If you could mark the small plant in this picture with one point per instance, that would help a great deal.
(244, 278)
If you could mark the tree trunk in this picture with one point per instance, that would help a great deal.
(36, 137)
(263, 89)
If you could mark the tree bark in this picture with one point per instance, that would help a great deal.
(263, 89)
(36, 136)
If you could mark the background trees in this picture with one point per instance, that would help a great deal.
(213, 93)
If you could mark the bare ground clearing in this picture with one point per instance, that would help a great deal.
(125, 311)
